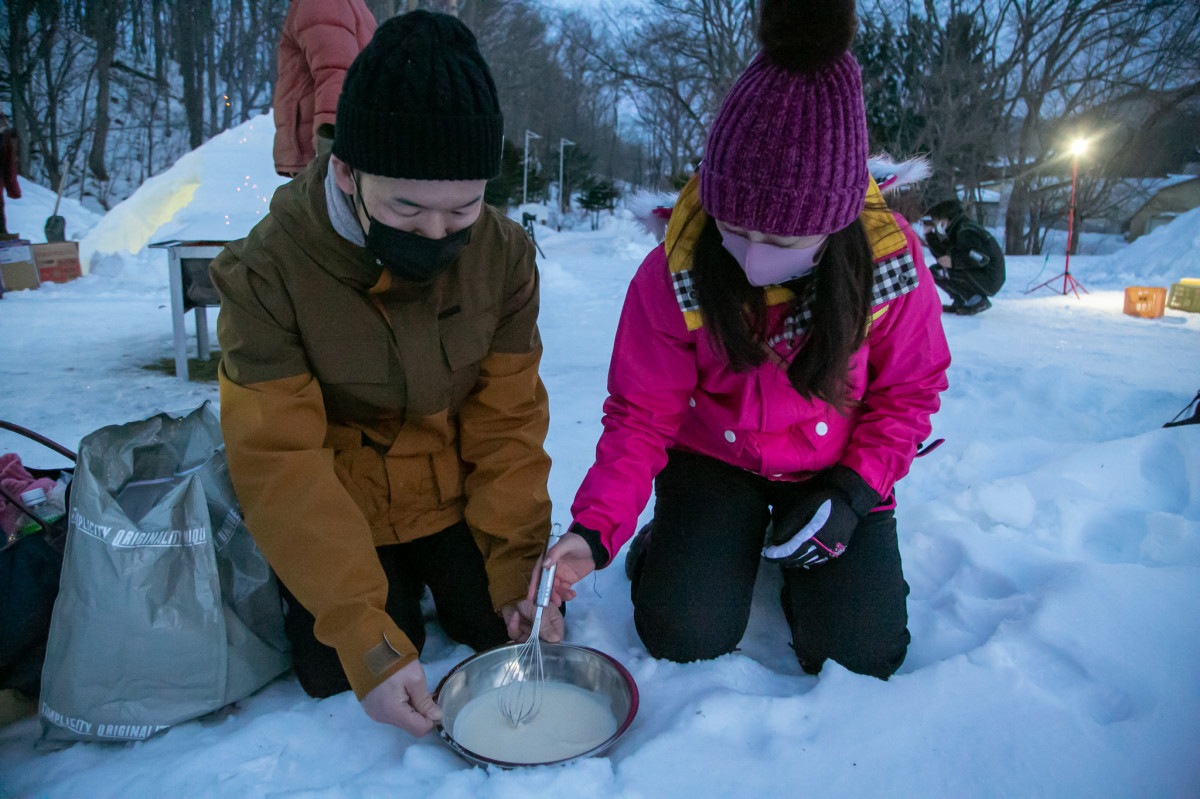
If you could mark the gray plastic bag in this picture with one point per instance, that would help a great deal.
(166, 609)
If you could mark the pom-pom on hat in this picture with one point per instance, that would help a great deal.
(419, 102)
(787, 153)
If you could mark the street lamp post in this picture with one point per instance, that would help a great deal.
(1078, 148)
(529, 134)
(562, 145)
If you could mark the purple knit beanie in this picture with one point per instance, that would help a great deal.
(787, 153)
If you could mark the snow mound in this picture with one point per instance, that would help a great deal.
(217, 192)
(1166, 254)
(27, 216)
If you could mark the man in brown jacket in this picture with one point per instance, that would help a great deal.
(383, 415)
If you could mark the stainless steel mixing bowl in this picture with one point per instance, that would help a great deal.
(567, 663)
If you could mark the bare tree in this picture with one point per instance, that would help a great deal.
(102, 16)
(1067, 58)
(677, 59)
(993, 90)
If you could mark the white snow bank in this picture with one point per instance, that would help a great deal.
(1160, 257)
(27, 216)
(216, 192)
(1052, 546)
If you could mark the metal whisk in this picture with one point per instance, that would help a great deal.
(520, 693)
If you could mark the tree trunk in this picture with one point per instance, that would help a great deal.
(19, 73)
(210, 61)
(188, 47)
(161, 90)
(102, 25)
(1015, 215)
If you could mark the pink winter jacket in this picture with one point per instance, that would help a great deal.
(320, 39)
(669, 387)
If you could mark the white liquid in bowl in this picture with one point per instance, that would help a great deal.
(571, 721)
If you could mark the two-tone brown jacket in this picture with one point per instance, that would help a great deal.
(358, 413)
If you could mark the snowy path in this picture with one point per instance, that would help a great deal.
(1052, 545)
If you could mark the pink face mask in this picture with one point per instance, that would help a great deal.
(769, 264)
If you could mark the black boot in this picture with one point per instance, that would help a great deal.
(979, 307)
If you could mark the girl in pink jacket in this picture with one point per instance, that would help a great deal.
(775, 367)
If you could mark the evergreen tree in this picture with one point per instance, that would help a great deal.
(502, 189)
(597, 195)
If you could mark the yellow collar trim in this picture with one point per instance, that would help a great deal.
(688, 218)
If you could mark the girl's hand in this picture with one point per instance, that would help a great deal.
(574, 559)
(518, 620)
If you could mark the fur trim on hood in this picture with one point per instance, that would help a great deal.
(652, 209)
(892, 176)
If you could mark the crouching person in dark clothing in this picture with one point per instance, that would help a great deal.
(970, 262)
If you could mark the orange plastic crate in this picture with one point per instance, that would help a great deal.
(1185, 296)
(1145, 301)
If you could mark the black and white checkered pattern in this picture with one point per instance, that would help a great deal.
(685, 291)
(895, 276)
(795, 324)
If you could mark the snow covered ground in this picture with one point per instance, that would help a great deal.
(1052, 545)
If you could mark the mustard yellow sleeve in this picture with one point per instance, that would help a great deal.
(307, 525)
(502, 431)
(303, 519)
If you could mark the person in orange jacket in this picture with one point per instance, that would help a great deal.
(8, 172)
(320, 39)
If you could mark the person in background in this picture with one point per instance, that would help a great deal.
(970, 262)
(9, 169)
(319, 41)
(776, 363)
(383, 414)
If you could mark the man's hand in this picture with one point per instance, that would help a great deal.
(944, 261)
(403, 700)
(518, 619)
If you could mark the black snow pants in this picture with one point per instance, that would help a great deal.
(693, 587)
(961, 284)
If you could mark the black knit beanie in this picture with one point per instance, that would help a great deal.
(947, 209)
(419, 102)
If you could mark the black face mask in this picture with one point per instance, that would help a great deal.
(410, 256)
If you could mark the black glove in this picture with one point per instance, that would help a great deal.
(817, 523)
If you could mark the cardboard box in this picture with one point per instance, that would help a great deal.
(57, 262)
(17, 268)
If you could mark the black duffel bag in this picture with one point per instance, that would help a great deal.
(29, 572)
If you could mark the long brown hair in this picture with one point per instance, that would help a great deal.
(735, 312)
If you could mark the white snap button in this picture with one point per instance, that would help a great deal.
(777, 476)
(822, 428)
(730, 437)
(692, 402)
